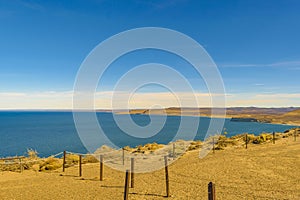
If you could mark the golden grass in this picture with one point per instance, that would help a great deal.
(89, 159)
(32, 161)
(150, 147)
(195, 145)
(50, 164)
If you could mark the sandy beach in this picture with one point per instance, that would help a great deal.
(263, 171)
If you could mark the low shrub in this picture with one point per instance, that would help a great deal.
(262, 138)
(148, 147)
(89, 159)
(50, 164)
(225, 142)
(32, 154)
(71, 159)
(195, 145)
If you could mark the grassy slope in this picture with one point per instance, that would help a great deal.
(269, 171)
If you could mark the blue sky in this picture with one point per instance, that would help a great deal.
(255, 45)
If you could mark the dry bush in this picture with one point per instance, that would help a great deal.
(195, 145)
(26, 162)
(241, 137)
(140, 149)
(31, 159)
(285, 135)
(258, 140)
(71, 160)
(127, 148)
(250, 138)
(154, 146)
(50, 164)
(151, 147)
(262, 138)
(291, 132)
(10, 165)
(89, 159)
(104, 149)
(224, 142)
(32, 154)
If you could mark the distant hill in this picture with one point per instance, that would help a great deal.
(287, 115)
(293, 113)
(292, 117)
(232, 111)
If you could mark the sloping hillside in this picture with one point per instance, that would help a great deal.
(292, 117)
(288, 115)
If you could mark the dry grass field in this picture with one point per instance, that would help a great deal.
(263, 171)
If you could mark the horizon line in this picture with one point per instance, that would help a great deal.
(117, 109)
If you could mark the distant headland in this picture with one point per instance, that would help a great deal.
(284, 115)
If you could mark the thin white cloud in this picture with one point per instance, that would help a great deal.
(259, 84)
(294, 68)
(118, 100)
(264, 99)
(291, 64)
(280, 95)
(11, 94)
(161, 4)
(36, 100)
(32, 5)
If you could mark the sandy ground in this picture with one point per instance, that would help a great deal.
(267, 171)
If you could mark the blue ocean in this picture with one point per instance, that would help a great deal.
(52, 132)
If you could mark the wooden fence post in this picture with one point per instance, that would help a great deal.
(273, 137)
(123, 156)
(295, 135)
(101, 167)
(132, 173)
(21, 166)
(246, 138)
(174, 151)
(211, 191)
(167, 176)
(80, 165)
(126, 188)
(213, 145)
(64, 161)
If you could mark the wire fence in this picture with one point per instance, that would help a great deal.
(226, 188)
(232, 188)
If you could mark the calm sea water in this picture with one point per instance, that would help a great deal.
(53, 132)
